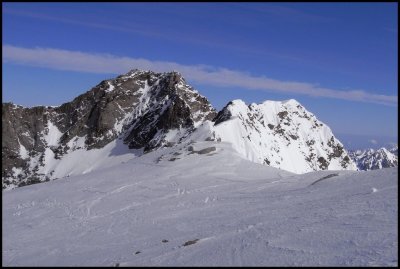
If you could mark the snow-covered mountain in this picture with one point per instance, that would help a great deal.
(394, 150)
(371, 159)
(281, 134)
(141, 111)
(203, 204)
(152, 175)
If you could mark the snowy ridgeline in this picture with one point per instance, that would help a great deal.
(204, 205)
(371, 159)
(125, 117)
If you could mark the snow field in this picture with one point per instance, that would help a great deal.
(214, 209)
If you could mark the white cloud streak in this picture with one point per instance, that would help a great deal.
(202, 74)
(373, 141)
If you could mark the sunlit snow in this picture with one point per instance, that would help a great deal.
(176, 207)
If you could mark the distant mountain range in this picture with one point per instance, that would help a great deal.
(370, 159)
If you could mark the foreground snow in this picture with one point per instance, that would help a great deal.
(217, 209)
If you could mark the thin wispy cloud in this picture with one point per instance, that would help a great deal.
(137, 29)
(373, 141)
(202, 74)
(150, 29)
(285, 13)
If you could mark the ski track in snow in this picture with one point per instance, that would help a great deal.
(218, 210)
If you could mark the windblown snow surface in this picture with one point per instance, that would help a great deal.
(197, 205)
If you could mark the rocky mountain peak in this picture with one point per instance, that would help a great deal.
(140, 108)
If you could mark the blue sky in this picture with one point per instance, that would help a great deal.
(338, 59)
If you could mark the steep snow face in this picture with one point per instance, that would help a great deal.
(371, 159)
(202, 204)
(281, 134)
(52, 134)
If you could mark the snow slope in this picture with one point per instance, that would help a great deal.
(201, 203)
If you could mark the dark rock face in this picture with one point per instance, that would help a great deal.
(223, 115)
(139, 107)
(202, 151)
(20, 126)
(322, 163)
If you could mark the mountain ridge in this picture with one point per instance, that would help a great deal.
(282, 134)
(370, 159)
(140, 111)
